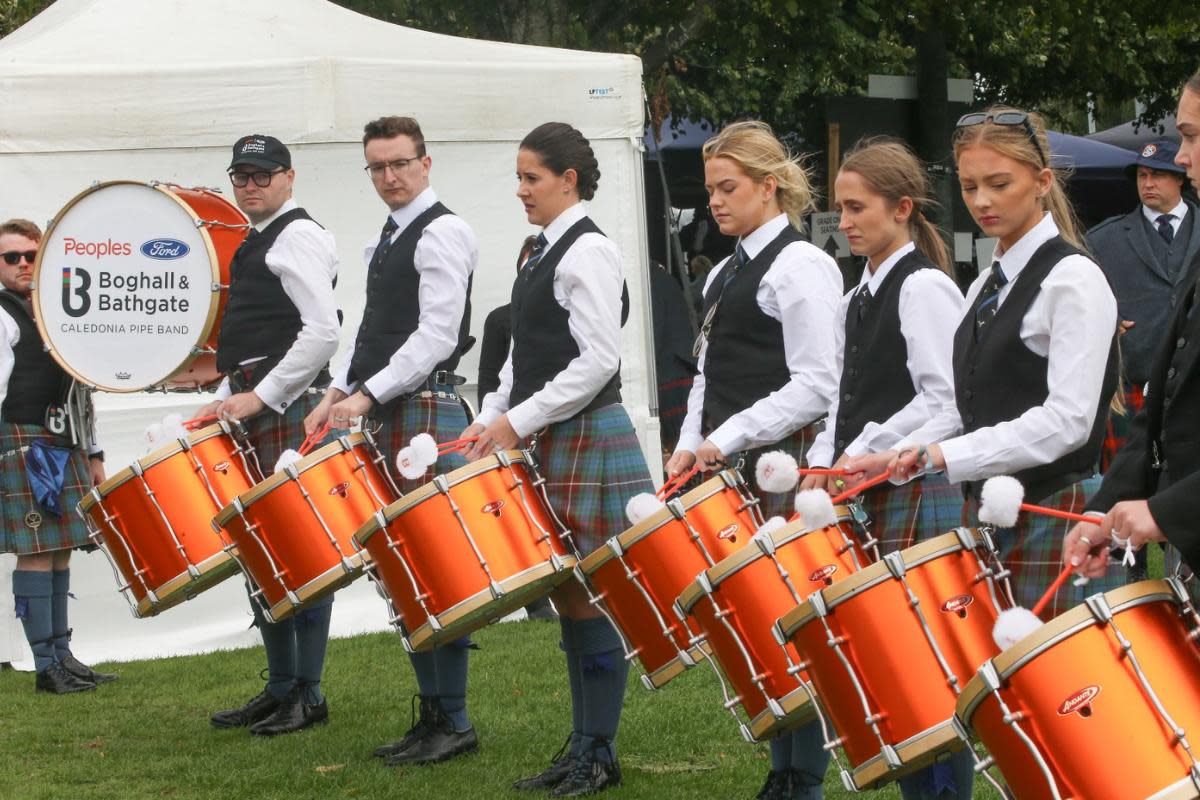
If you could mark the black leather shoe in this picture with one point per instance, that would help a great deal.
(441, 743)
(82, 671)
(56, 680)
(589, 774)
(777, 787)
(420, 727)
(292, 715)
(259, 708)
(552, 775)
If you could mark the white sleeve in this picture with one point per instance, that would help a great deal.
(10, 334)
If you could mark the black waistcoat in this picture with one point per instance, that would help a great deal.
(37, 381)
(542, 344)
(393, 307)
(260, 319)
(745, 360)
(875, 382)
(999, 378)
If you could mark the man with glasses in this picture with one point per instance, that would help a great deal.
(279, 331)
(399, 376)
(46, 439)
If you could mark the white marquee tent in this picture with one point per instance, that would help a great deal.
(147, 90)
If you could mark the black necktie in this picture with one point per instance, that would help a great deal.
(989, 298)
(739, 260)
(385, 242)
(535, 255)
(1164, 227)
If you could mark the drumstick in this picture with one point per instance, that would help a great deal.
(673, 485)
(456, 444)
(867, 484)
(311, 441)
(196, 422)
(823, 471)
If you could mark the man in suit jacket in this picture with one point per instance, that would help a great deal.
(1152, 490)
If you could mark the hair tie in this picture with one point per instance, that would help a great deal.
(929, 211)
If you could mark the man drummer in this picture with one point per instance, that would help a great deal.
(399, 376)
(279, 331)
(48, 458)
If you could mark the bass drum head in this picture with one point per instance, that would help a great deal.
(127, 285)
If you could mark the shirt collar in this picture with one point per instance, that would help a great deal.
(763, 235)
(404, 215)
(1179, 212)
(874, 281)
(287, 206)
(1015, 259)
(563, 222)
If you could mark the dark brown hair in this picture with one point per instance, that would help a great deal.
(560, 147)
(391, 127)
(22, 227)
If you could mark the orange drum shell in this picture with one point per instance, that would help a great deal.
(1140, 757)
(187, 504)
(748, 585)
(495, 504)
(345, 486)
(891, 656)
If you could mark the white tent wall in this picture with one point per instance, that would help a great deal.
(102, 100)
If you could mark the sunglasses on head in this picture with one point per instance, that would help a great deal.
(1013, 119)
(13, 257)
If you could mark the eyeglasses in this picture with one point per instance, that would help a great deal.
(261, 179)
(396, 166)
(13, 257)
(1016, 119)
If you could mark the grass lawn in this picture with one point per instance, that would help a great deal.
(147, 736)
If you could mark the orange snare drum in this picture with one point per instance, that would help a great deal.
(1101, 702)
(638, 574)
(735, 603)
(888, 649)
(292, 532)
(466, 549)
(152, 519)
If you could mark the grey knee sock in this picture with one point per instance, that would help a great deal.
(450, 662)
(61, 587)
(312, 635)
(810, 759)
(604, 673)
(279, 640)
(32, 593)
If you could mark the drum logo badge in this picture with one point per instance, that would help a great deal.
(222, 468)
(492, 508)
(165, 249)
(1081, 701)
(957, 605)
(729, 532)
(823, 573)
(340, 489)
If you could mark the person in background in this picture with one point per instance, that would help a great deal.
(674, 364)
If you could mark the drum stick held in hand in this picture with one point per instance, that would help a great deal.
(311, 441)
(673, 485)
(455, 445)
(192, 424)
(823, 471)
(867, 484)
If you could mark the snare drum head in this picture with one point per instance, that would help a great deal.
(124, 286)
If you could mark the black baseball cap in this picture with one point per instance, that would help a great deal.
(258, 150)
(1159, 155)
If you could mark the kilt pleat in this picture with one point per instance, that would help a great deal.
(901, 516)
(592, 465)
(271, 433)
(19, 508)
(443, 418)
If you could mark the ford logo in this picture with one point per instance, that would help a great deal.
(165, 249)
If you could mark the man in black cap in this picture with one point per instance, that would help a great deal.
(279, 331)
(1146, 254)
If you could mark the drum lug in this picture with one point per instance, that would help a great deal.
(895, 565)
(237, 504)
(293, 599)
(556, 562)
(649, 684)
(502, 457)
(496, 589)
(765, 544)
(406, 644)
(776, 709)
(966, 538)
(685, 658)
(136, 469)
(989, 675)
(678, 609)
(817, 600)
(615, 546)
(777, 632)
(676, 508)
(441, 484)
(959, 729)
(1194, 774)
(193, 573)
(434, 625)
(848, 782)
(704, 583)
(745, 732)
(890, 757)
(1177, 587)
(1099, 608)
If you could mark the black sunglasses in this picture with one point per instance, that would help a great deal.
(13, 257)
(261, 179)
(1015, 119)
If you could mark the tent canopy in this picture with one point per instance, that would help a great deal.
(308, 70)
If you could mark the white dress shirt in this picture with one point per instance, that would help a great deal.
(930, 307)
(801, 289)
(1177, 214)
(304, 258)
(1071, 322)
(446, 255)
(587, 283)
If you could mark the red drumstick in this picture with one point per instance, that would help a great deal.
(823, 471)
(867, 484)
(455, 445)
(673, 485)
(311, 441)
(192, 424)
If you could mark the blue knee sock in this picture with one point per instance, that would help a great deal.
(60, 588)
(781, 752)
(950, 778)
(312, 635)
(279, 640)
(32, 592)
(575, 679)
(810, 759)
(450, 660)
(604, 673)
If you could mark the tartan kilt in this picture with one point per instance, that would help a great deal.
(1033, 552)
(592, 465)
(1119, 426)
(17, 500)
(901, 516)
(442, 417)
(796, 444)
(270, 433)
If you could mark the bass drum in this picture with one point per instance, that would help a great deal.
(130, 284)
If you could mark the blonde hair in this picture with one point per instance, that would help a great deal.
(1015, 142)
(753, 146)
(892, 171)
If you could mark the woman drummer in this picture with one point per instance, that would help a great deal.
(767, 366)
(560, 388)
(895, 336)
(1035, 354)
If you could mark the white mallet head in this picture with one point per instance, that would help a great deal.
(771, 525)
(1013, 625)
(286, 459)
(425, 449)
(641, 506)
(172, 426)
(777, 472)
(815, 508)
(1000, 501)
(409, 466)
(155, 437)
